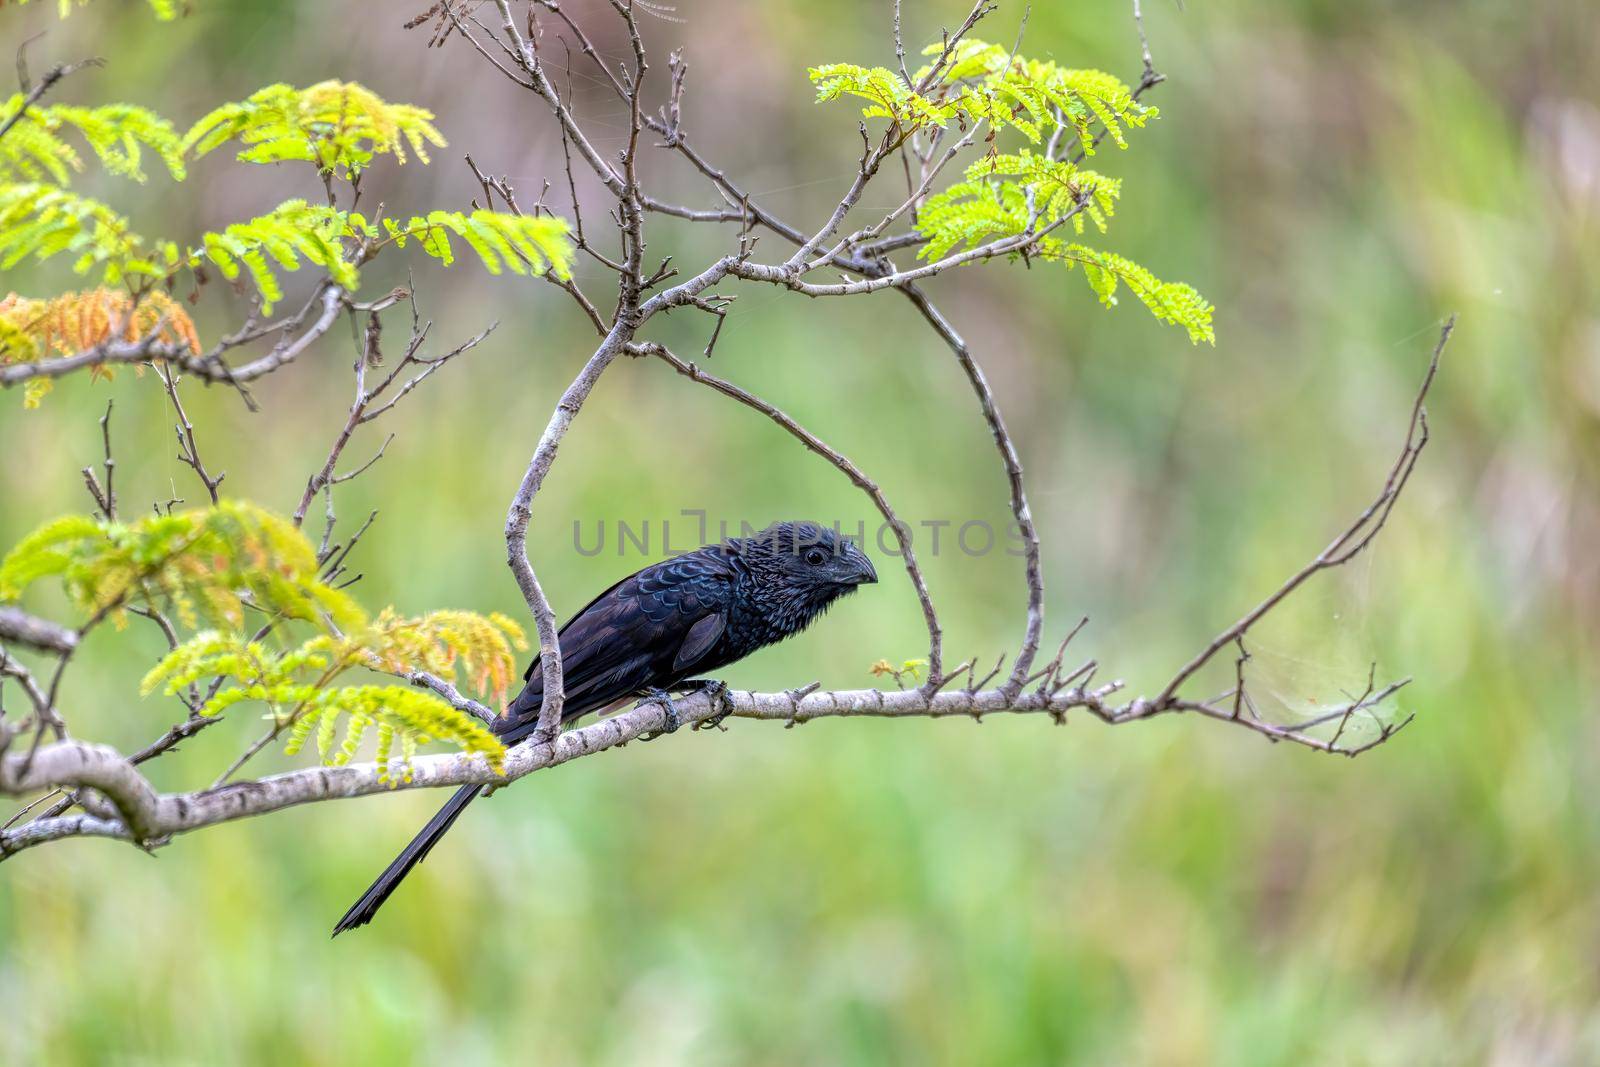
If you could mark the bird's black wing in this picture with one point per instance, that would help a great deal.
(649, 630)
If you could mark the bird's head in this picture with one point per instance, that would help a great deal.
(803, 567)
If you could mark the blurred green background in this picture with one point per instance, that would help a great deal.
(1335, 176)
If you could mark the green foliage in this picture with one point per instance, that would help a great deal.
(339, 126)
(165, 10)
(1000, 195)
(43, 221)
(886, 93)
(317, 233)
(296, 684)
(1008, 195)
(290, 232)
(1172, 302)
(413, 718)
(207, 563)
(519, 242)
(986, 82)
(117, 134)
(1011, 195)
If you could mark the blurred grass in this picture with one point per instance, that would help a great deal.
(1336, 177)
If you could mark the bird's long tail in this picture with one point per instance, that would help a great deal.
(362, 911)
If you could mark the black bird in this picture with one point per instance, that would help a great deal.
(657, 629)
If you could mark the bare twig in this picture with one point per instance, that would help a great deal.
(1355, 537)
(521, 512)
(1150, 77)
(46, 83)
(900, 46)
(908, 556)
(105, 497)
(188, 451)
(1033, 570)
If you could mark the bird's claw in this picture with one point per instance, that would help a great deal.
(717, 691)
(664, 698)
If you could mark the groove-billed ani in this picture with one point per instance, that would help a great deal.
(655, 630)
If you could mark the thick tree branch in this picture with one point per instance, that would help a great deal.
(151, 818)
(75, 763)
(42, 635)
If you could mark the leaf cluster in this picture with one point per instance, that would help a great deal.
(117, 135)
(201, 564)
(209, 566)
(338, 127)
(1012, 195)
(1171, 302)
(319, 234)
(1025, 194)
(297, 686)
(165, 10)
(74, 322)
(982, 82)
(1008, 195)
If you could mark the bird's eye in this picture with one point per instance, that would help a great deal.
(816, 556)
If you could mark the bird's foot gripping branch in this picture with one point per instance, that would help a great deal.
(991, 148)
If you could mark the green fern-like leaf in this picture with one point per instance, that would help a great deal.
(1025, 194)
(202, 564)
(44, 221)
(1056, 186)
(983, 82)
(1002, 195)
(520, 243)
(165, 10)
(117, 135)
(408, 716)
(217, 654)
(339, 126)
(1037, 96)
(886, 93)
(297, 685)
(289, 233)
(1172, 302)
(296, 231)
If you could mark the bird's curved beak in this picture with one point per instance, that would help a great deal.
(865, 574)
